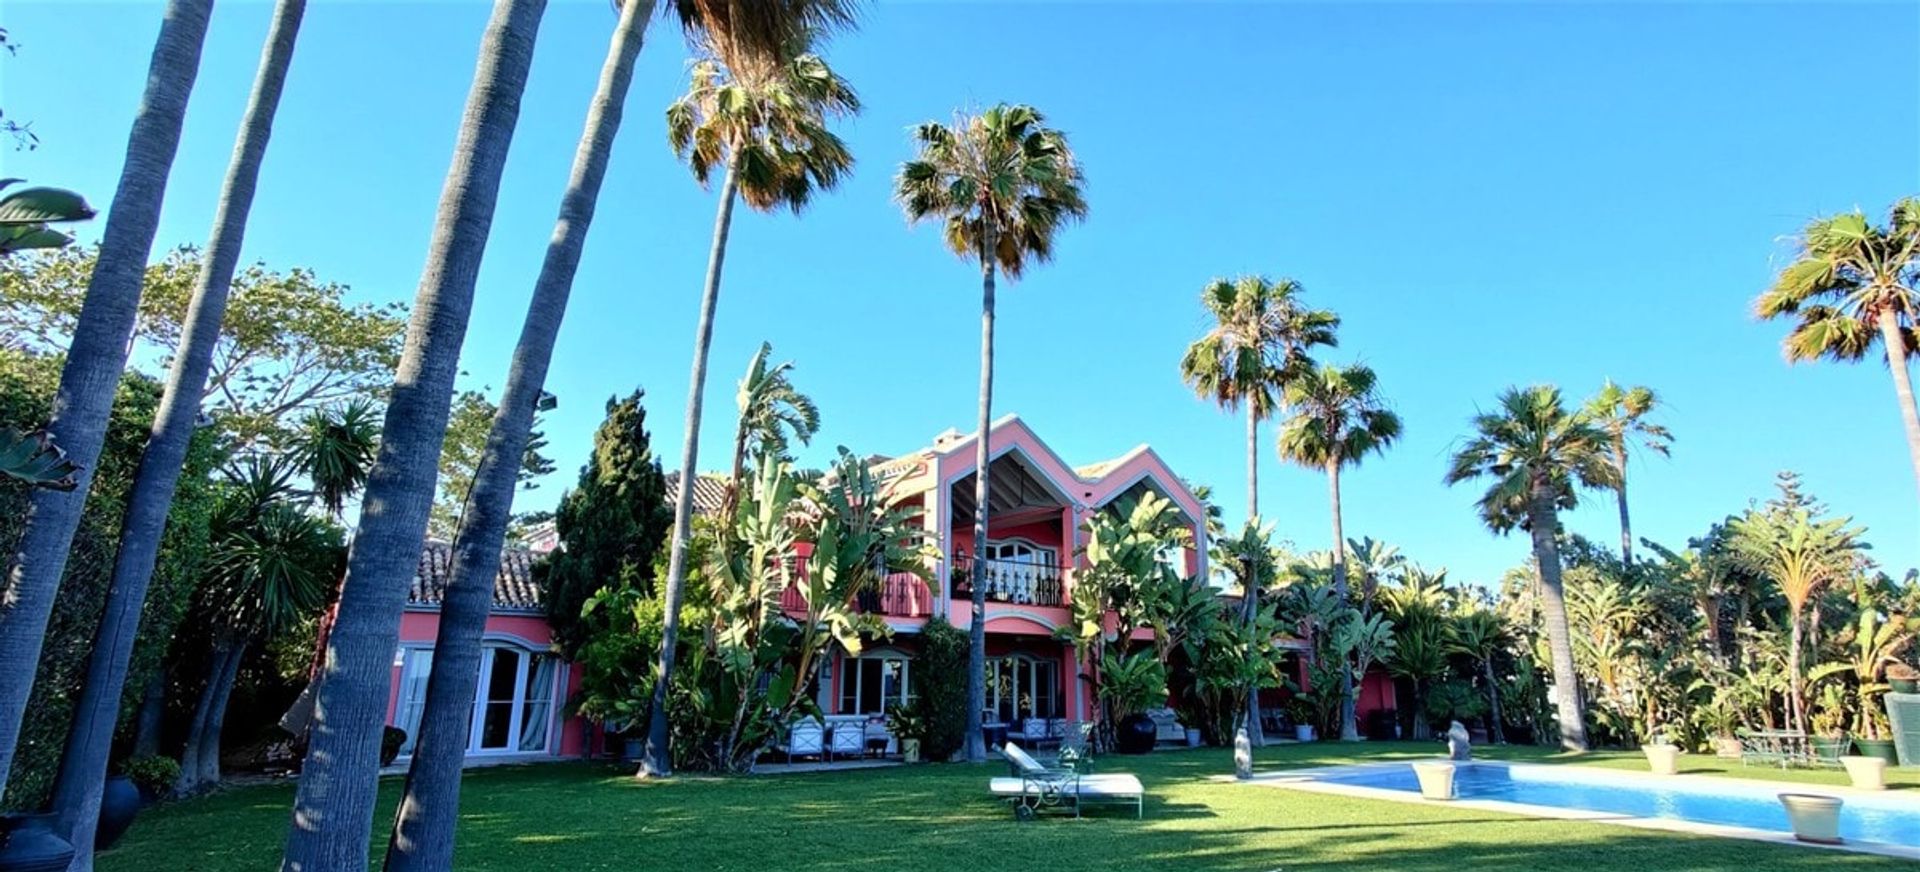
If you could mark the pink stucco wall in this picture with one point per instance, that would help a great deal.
(423, 626)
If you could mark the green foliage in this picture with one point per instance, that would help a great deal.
(612, 525)
(27, 385)
(1846, 277)
(940, 687)
(763, 120)
(1339, 417)
(1001, 183)
(1258, 343)
(25, 213)
(1131, 683)
(31, 457)
(153, 774)
(468, 424)
(1532, 447)
(290, 342)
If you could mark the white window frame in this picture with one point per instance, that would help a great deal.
(1036, 554)
(523, 676)
(851, 675)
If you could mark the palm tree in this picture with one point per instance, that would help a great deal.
(1851, 284)
(335, 448)
(83, 766)
(1534, 450)
(1802, 554)
(759, 113)
(333, 807)
(1003, 184)
(772, 415)
(1480, 633)
(1622, 413)
(1339, 418)
(96, 356)
(1259, 339)
(423, 826)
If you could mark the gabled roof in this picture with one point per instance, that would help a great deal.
(1097, 483)
(709, 492)
(513, 589)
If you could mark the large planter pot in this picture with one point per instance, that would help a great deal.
(1904, 685)
(31, 843)
(1194, 739)
(1436, 779)
(1662, 759)
(1727, 747)
(1868, 773)
(1815, 818)
(1881, 748)
(1135, 734)
(1829, 747)
(1303, 732)
(910, 750)
(118, 805)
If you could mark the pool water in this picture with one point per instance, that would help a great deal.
(1885, 818)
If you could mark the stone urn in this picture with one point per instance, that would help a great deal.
(910, 750)
(1868, 773)
(1303, 732)
(1242, 754)
(1662, 758)
(1815, 818)
(32, 843)
(1436, 779)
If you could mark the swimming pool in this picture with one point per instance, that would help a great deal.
(1884, 818)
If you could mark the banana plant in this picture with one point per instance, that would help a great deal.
(25, 214)
(1875, 642)
(32, 457)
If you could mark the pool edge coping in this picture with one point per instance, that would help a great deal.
(1309, 780)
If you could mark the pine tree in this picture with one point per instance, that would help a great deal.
(611, 524)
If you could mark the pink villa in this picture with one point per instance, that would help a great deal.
(1038, 506)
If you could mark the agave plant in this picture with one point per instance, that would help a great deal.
(32, 457)
(25, 214)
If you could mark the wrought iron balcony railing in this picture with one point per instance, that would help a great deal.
(1026, 582)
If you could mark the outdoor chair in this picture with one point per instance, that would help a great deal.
(1033, 787)
(1034, 732)
(847, 739)
(805, 738)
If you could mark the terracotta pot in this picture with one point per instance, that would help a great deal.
(1662, 759)
(1727, 747)
(31, 843)
(1436, 779)
(1815, 818)
(1868, 773)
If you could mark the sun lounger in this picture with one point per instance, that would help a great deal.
(1033, 787)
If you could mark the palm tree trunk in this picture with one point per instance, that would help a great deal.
(1626, 524)
(1897, 351)
(1250, 598)
(658, 759)
(1553, 611)
(975, 744)
(83, 766)
(222, 662)
(423, 826)
(153, 711)
(96, 358)
(1796, 695)
(1349, 700)
(333, 809)
(1495, 730)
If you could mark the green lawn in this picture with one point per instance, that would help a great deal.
(579, 816)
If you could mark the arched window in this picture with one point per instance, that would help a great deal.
(1019, 551)
(1020, 686)
(512, 706)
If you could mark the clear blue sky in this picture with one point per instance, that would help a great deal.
(1489, 194)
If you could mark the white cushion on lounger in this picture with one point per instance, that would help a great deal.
(1105, 784)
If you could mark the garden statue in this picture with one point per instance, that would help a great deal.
(1242, 754)
(1459, 746)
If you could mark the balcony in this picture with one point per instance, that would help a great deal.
(1023, 582)
(901, 595)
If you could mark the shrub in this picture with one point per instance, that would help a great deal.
(153, 774)
(391, 738)
(940, 682)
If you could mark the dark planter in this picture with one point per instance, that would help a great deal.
(30, 843)
(1904, 685)
(1136, 734)
(1829, 748)
(118, 805)
(1881, 748)
(391, 740)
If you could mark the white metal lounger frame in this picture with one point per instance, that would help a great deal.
(1043, 787)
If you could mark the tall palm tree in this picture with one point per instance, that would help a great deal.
(773, 413)
(1260, 337)
(423, 826)
(96, 357)
(1003, 184)
(83, 765)
(1534, 450)
(758, 113)
(1802, 554)
(1853, 284)
(1338, 419)
(333, 807)
(1622, 412)
(1479, 632)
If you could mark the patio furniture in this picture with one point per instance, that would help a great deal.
(879, 741)
(1781, 748)
(1035, 732)
(1033, 787)
(804, 738)
(994, 733)
(847, 739)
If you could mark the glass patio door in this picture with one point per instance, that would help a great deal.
(514, 702)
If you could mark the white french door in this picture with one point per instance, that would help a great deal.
(513, 706)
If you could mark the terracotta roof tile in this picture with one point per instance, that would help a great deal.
(709, 492)
(513, 589)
